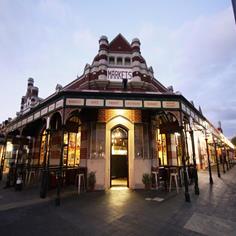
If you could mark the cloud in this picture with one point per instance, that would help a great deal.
(199, 59)
(85, 38)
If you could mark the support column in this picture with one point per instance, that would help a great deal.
(217, 161)
(225, 158)
(223, 161)
(196, 188)
(187, 152)
(60, 171)
(45, 173)
(187, 196)
(209, 164)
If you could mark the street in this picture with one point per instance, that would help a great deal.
(126, 212)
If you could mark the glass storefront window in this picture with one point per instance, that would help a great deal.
(9, 152)
(119, 142)
(71, 153)
(42, 146)
(178, 148)
(161, 147)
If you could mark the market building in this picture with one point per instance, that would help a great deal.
(116, 120)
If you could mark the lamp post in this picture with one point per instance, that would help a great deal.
(186, 143)
(208, 159)
(196, 188)
(225, 158)
(2, 159)
(227, 154)
(187, 196)
(217, 161)
(60, 171)
(45, 173)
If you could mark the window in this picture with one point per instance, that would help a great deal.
(119, 61)
(127, 61)
(72, 140)
(119, 141)
(42, 146)
(161, 147)
(111, 60)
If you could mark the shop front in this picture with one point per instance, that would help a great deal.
(115, 120)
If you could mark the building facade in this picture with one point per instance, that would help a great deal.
(115, 119)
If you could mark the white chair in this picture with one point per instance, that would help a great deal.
(81, 178)
(155, 173)
(174, 176)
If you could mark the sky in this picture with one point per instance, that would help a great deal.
(191, 45)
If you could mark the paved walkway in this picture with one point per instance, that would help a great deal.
(127, 212)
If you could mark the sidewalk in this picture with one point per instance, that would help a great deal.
(127, 212)
(11, 199)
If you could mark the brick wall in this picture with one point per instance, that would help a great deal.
(105, 115)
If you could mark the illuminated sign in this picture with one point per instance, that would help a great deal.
(152, 104)
(51, 107)
(95, 102)
(119, 73)
(133, 103)
(170, 104)
(75, 101)
(114, 103)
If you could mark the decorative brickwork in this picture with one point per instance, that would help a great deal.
(35, 154)
(104, 115)
(55, 145)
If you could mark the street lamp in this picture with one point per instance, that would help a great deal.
(222, 159)
(208, 158)
(45, 172)
(225, 158)
(217, 161)
(196, 188)
(187, 196)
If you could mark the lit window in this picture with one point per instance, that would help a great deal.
(72, 140)
(42, 146)
(111, 60)
(127, 61)
(161, 147)
(119, 141)
(119, 61)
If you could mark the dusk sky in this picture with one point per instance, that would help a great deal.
(191, 44)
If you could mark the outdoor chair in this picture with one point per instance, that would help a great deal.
(163, 177)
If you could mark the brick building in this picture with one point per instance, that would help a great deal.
(115, 119)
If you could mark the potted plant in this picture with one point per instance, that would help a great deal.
(91, 180)
(147, 180)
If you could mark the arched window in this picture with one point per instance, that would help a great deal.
(119, 60)
(119, 141)
(42, 146)
(111, 60)
(72, 141)
(127, 61)
(161, 147)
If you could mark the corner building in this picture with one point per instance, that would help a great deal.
(116, 119)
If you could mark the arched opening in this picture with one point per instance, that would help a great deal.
(43, 146)
(72, 142)
(167, 139)
(119, 156)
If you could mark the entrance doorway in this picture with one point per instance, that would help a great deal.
(119, 157)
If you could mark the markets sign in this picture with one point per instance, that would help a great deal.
(119, 73)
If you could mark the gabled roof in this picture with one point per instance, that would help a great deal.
(119, 44)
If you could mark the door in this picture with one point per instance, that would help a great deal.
(119, 157)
